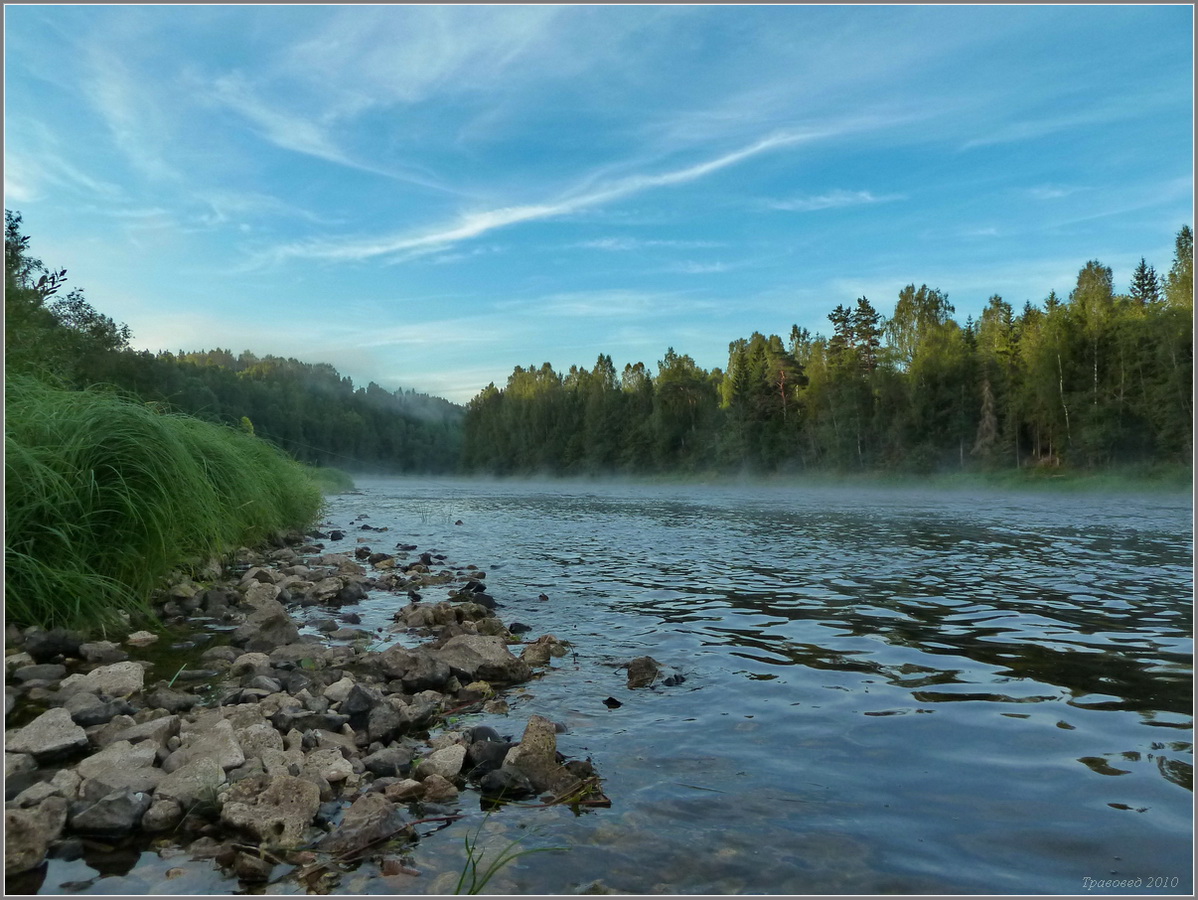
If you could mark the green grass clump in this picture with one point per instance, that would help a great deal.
(330, 480)
(105, 495)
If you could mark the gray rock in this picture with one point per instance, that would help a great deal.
(642, 671)
(45, 646)
(89, 709)
(117, 755)
(40, 672)
(389, 761)
(418, 669)
(162, 815)
(474, 656)
(216, 741)
(28, 834)
(115, 680)
(102, 652)
(114, 814)
(258, 737)
(386, 721)
(446, 762)
(328, 764)
(371, 818)
(438, 789)
(15, 763)
(51, 734)
(359, 699)
(157, 731)
(195, 782)
(506, 782)
(268, 626)
(536, 757)
(274, 811)
(164, 697)
(140, 780)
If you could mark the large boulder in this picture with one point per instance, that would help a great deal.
(275, 811)
(446, 762)
(474, 657)
(51, 734)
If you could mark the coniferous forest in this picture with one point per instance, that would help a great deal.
(1086, 381)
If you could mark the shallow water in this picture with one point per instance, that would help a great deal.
(885, 691)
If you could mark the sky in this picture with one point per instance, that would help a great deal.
(428, 196)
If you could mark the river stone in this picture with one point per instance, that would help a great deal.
(389, 761)
(474, 656)
(266, 628)
(642, 671)
(117, 755)
(15, 763)
(536, 758)
(404, 791)
(116, 680)
(28, 834)
(40, 672)
(53, 733)
(89, 709)
(196, 781)
(506, 782)
(418, 669)
(250, 664)
(114, 814)
(446, 762)
(139, 780)
(102, 652)
(217, 742)
(339, 690)
(162, 815)
(157, 731)
(165, 697)
(258, 737)
(276, 811)
(359, 699)
(329, 764)
(438, 789)
(261, 595)
(44, 646)
(141, 638)
(371, 818)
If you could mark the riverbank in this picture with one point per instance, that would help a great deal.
(260, 737)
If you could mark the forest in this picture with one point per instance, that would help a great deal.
(309, 410)
(1089, 381)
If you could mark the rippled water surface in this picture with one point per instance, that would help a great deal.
(885, 691)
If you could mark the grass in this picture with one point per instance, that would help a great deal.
(330, 480)
(106, 495)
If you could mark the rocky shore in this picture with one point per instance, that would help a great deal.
(276, 738)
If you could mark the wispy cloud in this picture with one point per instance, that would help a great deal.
(473, 224)
(1052, 192)
(831, 200)
(625, 244)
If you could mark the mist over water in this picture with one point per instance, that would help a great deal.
(886, 689)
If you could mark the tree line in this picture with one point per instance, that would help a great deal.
(1090, 380)
(309, 410)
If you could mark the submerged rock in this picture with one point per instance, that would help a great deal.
(643, 671)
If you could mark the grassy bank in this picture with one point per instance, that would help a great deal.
(106, 495)
(330, 480)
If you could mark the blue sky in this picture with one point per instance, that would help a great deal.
(428, 196)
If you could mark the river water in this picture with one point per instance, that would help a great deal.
(886, 690)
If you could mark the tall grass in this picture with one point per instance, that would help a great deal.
(330, 480)
(105, 495)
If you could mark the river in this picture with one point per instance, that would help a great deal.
(886, 690)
